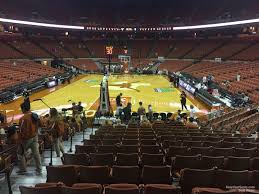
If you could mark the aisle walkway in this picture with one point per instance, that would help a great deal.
(30, 178)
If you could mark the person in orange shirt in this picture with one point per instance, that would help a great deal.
(57, 129)
(29, 139)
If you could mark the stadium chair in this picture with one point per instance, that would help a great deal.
(255, 178)
(177, 150)
(182, 137)
(131, 135)
(216, 144)
(150, 149)
(105, 159)
(110, 141)
(222, 152)
(192, 143)
(40, 190)
(152, 159)
(249, 145)
(126, 174)
(203, 190)
(254, 163)
(214, 139)
(65, 174)
(247, 139)
(94, 174)
(208, 162)
(200, 150)
(191, 178)
(241, 152)
(199, 138)
(107, 149)
(181, 162)
(225, 178)
(232, 144)
(161, 189)
(86, 189)
(128, 149)
(167, 143)
(130, 142)
(127, 159)
(94, 142)
(156, 175)
(147, 142)
(85, 149)
(122, 188)
(237, 163)
(76, 159)
(232, 139)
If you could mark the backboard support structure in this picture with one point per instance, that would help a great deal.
(126, 60)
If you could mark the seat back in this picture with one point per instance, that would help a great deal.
(65, 174)
(101, 159)
(122, 188)
(40, 190)
(152, 159)
(126, 174)
(76, 159)
(191, 178)
(127, 159)
(229, 178)
(94, 174)
(156, 175)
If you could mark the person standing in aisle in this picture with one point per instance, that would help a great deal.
(28, 125)
(57, 129)
(183, 100)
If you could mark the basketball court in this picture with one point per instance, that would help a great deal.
(150, 89)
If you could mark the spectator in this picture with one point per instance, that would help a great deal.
(141, 110)
(127, 113)
(183, 100)
(118, 100)
(192, 112)
(57, 129)
(238, 77)
(150, 113)
(29, 139)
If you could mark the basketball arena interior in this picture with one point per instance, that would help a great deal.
(127, 96)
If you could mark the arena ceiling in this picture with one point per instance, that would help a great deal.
(119, 12)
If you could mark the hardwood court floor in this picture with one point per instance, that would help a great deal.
(150, 89)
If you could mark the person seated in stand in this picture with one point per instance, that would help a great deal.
(145, 122)
(192, 124)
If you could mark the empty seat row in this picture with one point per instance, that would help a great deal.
(109, 159)
(178, 163)
(130, 141)
(211, 151)
(70, 174)
(91, 188)
(217, 178)
(189, 178)
(152, 149)
(207, 162)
